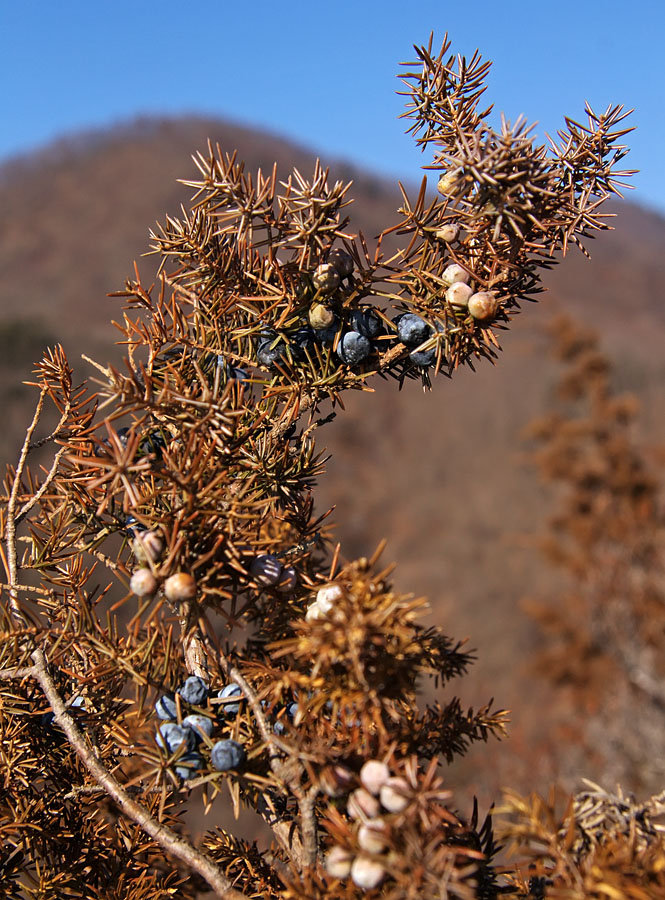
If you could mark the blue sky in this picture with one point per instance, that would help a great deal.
(324, 74)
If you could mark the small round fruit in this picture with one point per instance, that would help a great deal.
(362, 805)
(162, 733)
(412, 330)
(166, 707)
(326, 278)
(180, 587)
(374, 775)
(176, 735)
(449, 182)
(199, 725)
(143, 583)
(327, 597)
(367, 873)
(372, 836)
(353, 348)
(320, 316)
(147, 546)
(336, 780)
(266, 569)
(342, 261)
(448, 233)
(227, 754)
(338, 862)
(453, 273)
(268, 352)
(459, 293)
(314, 612)
(394, 794)
(483, 305)
(423, 358)
(327, 335)
(188, 765)
(194, 690)
(366, 322)
(231, 690)
(287, 580)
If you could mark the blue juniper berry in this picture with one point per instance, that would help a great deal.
(227, 754)
(194, 691)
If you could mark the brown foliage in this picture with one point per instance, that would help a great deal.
(171, 548)
(604, 633)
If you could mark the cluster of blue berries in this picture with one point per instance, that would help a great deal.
(355, 334)
(187, 735)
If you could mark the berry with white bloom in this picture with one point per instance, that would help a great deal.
(166, 707)
(199, 724)
(458, 293)
(180, 587)
(373, 835)
(411, 329)
(143, 583)
(266, 569)
(367, 873)
(353, 348)
(374, 775)
(227, 754)
(362, 805)
(338, 862)
(231, 690)
(194, 690)
(453, 273)
(394, 794)
(483, 305)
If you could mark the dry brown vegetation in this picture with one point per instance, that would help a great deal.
(219, 470)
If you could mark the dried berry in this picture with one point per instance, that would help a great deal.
(450, 182)
(367, 873)
(395, 794)
(373, 836)
(338, 862)
(143, 583)
(320, 316)
(448, 233)
(147, 546)
(453, 273)
(374, 775)
(180, 587)
(362, 805)
(458, 293)
(483, 305)
(326, 278)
